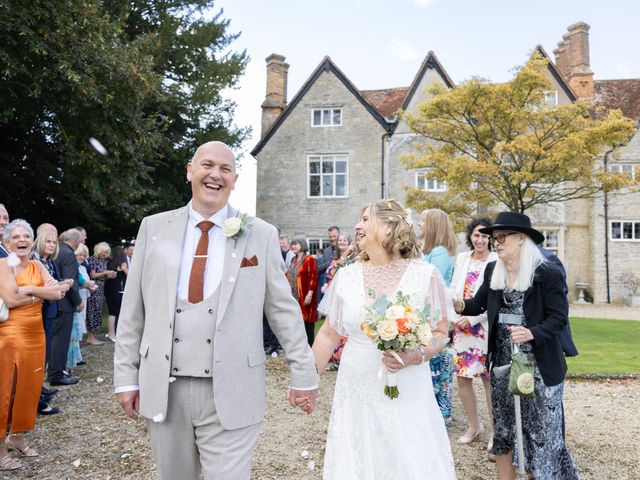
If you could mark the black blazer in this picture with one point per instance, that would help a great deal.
(67, 266)
(546, 310)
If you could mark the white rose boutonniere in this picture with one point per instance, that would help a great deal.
(234, 227)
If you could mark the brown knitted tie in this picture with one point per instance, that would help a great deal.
(196, 279)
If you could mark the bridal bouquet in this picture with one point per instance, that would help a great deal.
(396, 326)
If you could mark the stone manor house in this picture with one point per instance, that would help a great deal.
(333, 148)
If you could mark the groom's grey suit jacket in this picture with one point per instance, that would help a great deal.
(146, 323)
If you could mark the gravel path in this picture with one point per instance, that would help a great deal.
(603, 429)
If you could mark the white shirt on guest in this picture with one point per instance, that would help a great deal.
(215, 259)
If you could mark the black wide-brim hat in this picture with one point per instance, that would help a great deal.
(517, 222)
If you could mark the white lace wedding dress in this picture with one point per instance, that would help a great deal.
(371, 436)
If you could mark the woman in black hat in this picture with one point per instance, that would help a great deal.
(525, 304)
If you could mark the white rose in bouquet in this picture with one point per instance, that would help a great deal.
(388, 330)
(424, 333)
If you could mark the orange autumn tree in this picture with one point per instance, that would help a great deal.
(501, 144)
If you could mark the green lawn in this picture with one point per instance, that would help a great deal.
(605, 346)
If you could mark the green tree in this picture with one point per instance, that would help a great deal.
(144, 78)
(501, 144)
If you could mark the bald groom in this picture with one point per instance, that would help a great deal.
(189, 355)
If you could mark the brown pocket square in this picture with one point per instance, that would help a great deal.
(249, 262)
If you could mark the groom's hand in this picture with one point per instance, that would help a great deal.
(130, 402)
(304, 399)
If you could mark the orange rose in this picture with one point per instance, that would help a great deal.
(402, 325)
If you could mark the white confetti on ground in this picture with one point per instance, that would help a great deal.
(311, 465)
(304, 454)
(99, 379)
(76, 463)
(95, 143)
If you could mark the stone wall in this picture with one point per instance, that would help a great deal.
(282, 163)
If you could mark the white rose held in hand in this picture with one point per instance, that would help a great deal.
(231, 226)
(388, 330)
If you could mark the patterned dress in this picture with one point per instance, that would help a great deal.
(442, 363)
(545, 453)
(470, 343)
(96, 299)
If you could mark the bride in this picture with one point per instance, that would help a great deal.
(371, 436)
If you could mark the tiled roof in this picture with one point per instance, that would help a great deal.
(620, 94)
(388, 101)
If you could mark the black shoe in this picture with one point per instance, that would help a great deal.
(46, 398)
(48, 411)
(48, 391)
(65, 380)
(81, 362)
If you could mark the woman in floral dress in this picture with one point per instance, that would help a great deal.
(99, 273)
(439, 246)
(470, 332)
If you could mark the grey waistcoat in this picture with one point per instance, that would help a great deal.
(193, 332)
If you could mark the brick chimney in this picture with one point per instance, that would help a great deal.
(276, 96)
(572, 60)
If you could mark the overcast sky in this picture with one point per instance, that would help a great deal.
(381, 43)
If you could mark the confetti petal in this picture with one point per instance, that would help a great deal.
(304, 454)
(13, 260)
(158, 418)
(311, 465)
(99, 379)
(76, 463)
(172, 379)
(95, 143)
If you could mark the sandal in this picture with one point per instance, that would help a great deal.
(9, 463)
(24, 451)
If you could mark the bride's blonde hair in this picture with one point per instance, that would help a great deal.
(402, 238)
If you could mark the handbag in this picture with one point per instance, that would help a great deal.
(521, 380)
(4, 311)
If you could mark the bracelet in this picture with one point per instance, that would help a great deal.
(423, 357)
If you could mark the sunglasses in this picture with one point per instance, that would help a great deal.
(501, 237)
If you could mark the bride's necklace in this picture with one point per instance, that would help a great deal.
(383, 279)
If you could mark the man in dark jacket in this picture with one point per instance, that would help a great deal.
(67, 266)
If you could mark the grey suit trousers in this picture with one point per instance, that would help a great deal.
(191, 439)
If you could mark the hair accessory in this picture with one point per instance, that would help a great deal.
(408, 217)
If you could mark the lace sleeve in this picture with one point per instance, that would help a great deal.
(439, 297)
(331, 305)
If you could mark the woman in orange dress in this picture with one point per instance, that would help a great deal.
(303, 278)
(22, 342)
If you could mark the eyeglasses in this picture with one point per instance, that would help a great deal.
(501, 237)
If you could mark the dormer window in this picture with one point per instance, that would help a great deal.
(326, 117)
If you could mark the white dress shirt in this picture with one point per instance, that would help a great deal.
(215, 259)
